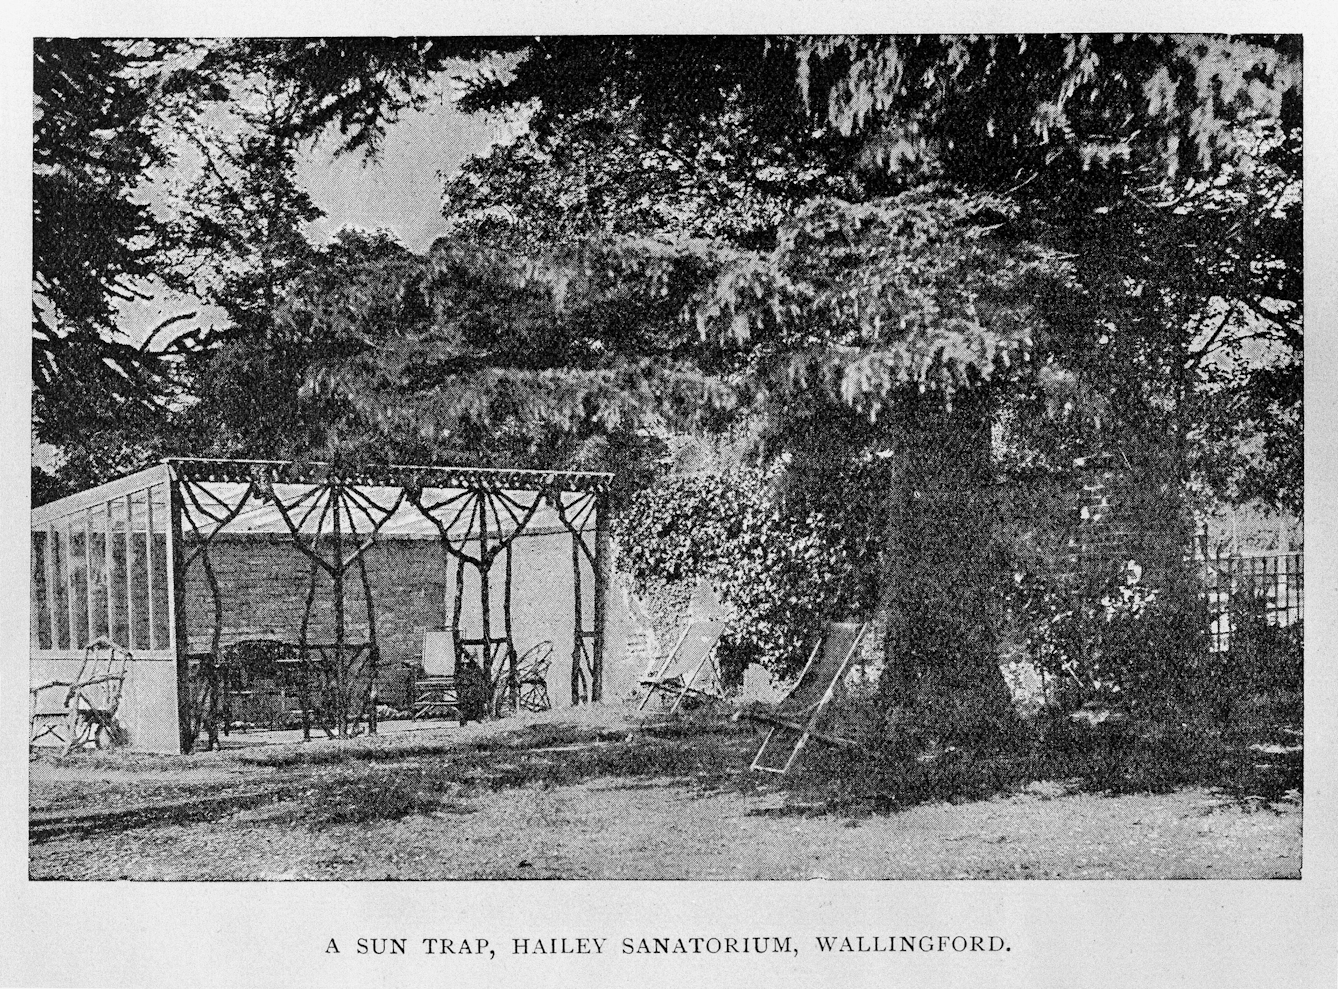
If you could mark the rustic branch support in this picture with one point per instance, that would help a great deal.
(143, 558)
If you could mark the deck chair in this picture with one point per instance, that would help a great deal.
(434, 693)
(681, 671)
(797, 717)
(82, 711)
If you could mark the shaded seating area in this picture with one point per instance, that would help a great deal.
(82, 711)
(690, 669)
(800, 716)
(254, 592)
(260, 681)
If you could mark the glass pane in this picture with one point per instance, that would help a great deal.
(161, 608)
(158, 495)
(139, 574)
(40, 613)
(120, 633)
(78, 589)
(97, 569)
(59, 568)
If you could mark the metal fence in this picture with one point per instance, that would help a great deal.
(1251, 594)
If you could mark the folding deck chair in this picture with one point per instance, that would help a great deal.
(796, 718)
(681, 671)
(434, 690)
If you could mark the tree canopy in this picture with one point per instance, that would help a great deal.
(982, 254)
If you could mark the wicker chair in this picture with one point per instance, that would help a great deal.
(531, 685)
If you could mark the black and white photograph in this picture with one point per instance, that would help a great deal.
(673, 456)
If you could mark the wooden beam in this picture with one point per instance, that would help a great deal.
(130, 572)
(107, 564)
(178, 634)
(148, 564)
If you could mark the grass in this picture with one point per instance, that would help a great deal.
(706, 752)
(1123, 757)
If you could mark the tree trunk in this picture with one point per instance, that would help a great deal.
(941, 576)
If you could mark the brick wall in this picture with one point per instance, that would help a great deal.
(263, 585)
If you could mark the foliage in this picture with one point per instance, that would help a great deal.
(1167, 167)
(352, 86)
(783, 572)
(94, 245)
(1052, 264)
(604, 172)
(1085, 238)
(1106, 635)
(561, 351)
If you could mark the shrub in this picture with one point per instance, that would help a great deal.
(1110, 636)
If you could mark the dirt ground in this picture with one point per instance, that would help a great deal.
(603, 795)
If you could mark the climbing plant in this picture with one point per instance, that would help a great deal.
(781, 566)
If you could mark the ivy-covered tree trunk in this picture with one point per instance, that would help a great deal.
(943, 681)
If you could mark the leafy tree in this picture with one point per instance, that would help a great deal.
(1082, 141)
(93, 247)
(784, 564)
(913, 228)
(239, 227)
(938, 235)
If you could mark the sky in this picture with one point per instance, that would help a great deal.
(399, 191)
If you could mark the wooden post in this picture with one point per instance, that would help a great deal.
(513, 684)
(577, 675)
(485, 591)
(601, 593)
(148, 565)
(108, 570)
(176, 583)
(337, 580)
(457, 640)
(130, 640)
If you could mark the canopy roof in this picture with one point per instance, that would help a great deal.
(308, 507)
(392, 475)
(255, 497)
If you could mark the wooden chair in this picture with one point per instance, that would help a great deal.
(680, 674)
(434, 690)
(84, 708)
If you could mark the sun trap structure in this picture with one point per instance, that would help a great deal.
(215, 574)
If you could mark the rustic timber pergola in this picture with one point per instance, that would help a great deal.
(115, 562)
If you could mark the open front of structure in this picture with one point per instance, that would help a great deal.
(261, 594)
